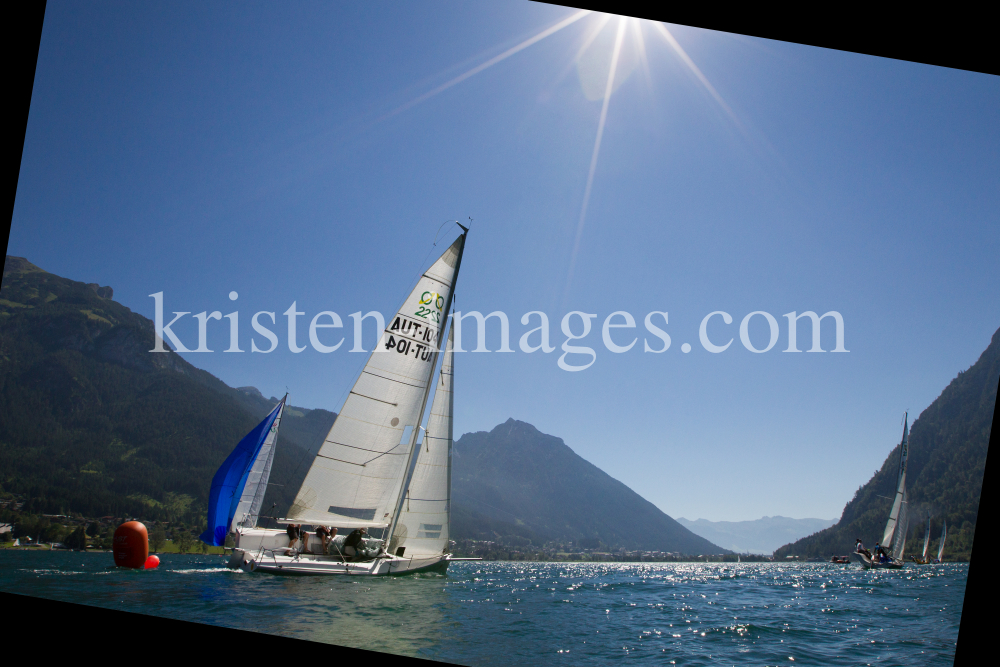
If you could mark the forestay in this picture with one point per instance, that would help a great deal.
(424, 522)
(357, 475)
(897, 503)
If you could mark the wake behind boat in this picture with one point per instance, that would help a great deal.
(373, 470)
(888, 552)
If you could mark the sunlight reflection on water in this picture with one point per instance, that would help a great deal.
(517, 613)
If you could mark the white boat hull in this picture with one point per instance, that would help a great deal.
(267, 551)
(310, 564)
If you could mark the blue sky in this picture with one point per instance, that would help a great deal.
(275, 150)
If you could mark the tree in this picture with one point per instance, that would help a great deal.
(77, 539)
(92, 529)
(157, 538)
(183, 541)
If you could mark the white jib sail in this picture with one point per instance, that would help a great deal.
(897, 502)
(423, 528)
(944, 534)
(358, 472)
(248, 509)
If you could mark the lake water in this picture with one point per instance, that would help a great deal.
(513, 613)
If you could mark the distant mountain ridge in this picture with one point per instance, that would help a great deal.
(515, 481)
(948, 446)
(760, 536)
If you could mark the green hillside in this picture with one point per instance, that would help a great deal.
(948, 447)
(92, 423)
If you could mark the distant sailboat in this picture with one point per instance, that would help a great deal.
(239, 485)
(924, 558)
(889, 552)
(944, 534)
(373, 471)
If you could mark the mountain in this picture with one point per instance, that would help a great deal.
(92, 422)
(948, 444)
(761, 536)
(515, 481)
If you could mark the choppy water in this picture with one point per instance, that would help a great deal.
(565, 613)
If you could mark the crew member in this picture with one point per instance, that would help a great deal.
(293, 530)
(355, 542)
(325, 534)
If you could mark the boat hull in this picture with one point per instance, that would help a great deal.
(275, 562)
(869, 564)
(268, 551)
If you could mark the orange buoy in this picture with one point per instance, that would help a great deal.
(131, 545)
(152, 562)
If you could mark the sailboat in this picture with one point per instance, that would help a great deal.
(379, 468)
(240, 482)
(944, 534)
(894, 538)
(924, 559)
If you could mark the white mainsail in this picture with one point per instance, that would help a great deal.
(357, 475)
(897, 503)
(248, 509)
(423, 526)
(944, 534)
(902, 524)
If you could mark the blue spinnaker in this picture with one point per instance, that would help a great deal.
(229, 480)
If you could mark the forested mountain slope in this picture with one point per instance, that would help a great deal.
(91, 422)
(948, 447)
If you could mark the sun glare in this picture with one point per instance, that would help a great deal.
(604, 60)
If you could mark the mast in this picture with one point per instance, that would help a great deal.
(414, 451)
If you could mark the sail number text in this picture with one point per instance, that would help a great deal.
(431, 306)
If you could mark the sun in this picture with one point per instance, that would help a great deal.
(611, 49)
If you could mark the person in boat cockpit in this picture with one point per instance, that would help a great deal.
(355, 542)
(325, 534)
(293, 532)
(860, 548)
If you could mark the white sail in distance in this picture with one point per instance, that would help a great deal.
(424, 523)
(944, 534)
(357, 475)
(897, 503)
(248, 509)
(927, 537)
